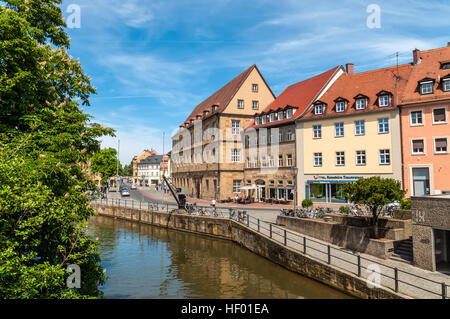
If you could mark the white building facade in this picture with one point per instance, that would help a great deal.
(149, 170)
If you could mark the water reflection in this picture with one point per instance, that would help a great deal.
(143, 261)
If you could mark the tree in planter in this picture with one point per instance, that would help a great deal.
(105, 163)
(306, 203)
(374, 193)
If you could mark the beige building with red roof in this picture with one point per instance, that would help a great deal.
(351, 132)
(207, 151)
(425, 124)
(270, 156)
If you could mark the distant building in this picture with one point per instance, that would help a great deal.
(270, 155)
(351, 132)
(137, 159)
(425, 124)
(148, 170)
(165, 168)
(212, 166)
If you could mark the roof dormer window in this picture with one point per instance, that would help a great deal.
(280, 115)
(318, 109)
(257, 120)
(288, 113)
(213, 108)
(360, 104)
(205, 113)
(446, 84)
(445, 65)
(263, 119)
(426, 86)
(340, 106)
(272, 117)
(383, 100)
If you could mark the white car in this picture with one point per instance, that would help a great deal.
(133, 186)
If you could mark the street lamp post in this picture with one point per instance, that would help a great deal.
(295, 171)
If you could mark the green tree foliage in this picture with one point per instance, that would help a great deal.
(374, 193)
(46, 141)
(105, 163)
(307, 203)
(128, 169)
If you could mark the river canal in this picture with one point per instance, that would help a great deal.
(145, 261)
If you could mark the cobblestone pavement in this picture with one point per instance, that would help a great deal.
(411, 281)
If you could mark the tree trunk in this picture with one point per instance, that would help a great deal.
(375, 223)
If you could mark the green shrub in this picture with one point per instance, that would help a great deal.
(307, 203)
(344, 210)
(405, 203)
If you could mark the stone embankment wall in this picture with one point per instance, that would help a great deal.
(256, 242)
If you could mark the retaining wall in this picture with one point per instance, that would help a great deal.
(256, 242)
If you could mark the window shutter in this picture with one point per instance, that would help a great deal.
(439, 115)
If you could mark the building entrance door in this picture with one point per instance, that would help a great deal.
(421, 181)
(442, 250)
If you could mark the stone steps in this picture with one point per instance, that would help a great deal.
(403, 251)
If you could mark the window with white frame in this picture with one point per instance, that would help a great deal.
(340, 106)
(255, 87)
(416, 117)
(280, 160)
(263, 119)
(235, 155)
(272, 117)
(255, 105)
(236, 186)
(240, 104)
(255, 162)
(318, 109)
(289, 159)
(360, 128)
(249, 163)
(271, 161)
(317, 159)
(280, 136)
(383, 125)
(385, 157)
(256, 120)
(440, 145)
(418, 146)
(439, 116)
(340, 158)
(360, 104)
(446, 85)
(262, 137)
(426, 87)
(235, 127)
(270, 137)
(289, 113)
(317, 131)
(361, 158)
(339, 129)
(280, 115)
(383, 100)
(263, 161)
(289, 135)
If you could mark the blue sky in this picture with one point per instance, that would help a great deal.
(154, 61)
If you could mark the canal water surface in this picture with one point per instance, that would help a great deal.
(145, 261)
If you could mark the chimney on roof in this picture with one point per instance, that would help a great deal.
(349, 68)
(416, 54)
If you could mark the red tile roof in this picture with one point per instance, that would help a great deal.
(368, 84)
(223, 96)
(299, 95)
(429, 67)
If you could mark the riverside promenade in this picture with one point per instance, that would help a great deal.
(395, 276)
